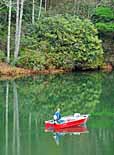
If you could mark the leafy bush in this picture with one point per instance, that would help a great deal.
(59, 60)
(104, 13)
(104, 19)
(66, 41)
(31, 59)
(37, 60)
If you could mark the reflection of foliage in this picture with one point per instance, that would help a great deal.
(80, 92)
(106, 107)
(73, 93)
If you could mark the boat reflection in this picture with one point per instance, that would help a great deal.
(58, 133)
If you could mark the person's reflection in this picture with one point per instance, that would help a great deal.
(78, 130)
(57, 136)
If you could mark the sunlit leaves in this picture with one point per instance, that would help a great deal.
(66, 41)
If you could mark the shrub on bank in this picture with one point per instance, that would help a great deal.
(105, 27)
(103, 14)
(31, 59)
(38, 60)
(104, 19)
(2, 55)
(65, 42)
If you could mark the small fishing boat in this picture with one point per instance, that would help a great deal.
(70, 130)
(67, 121)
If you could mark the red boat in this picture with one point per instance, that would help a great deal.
(68, 121)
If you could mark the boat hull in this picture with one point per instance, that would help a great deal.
(68, 123)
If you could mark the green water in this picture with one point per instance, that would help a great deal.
(26, 103)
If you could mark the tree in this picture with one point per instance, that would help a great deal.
(19, 15)
(33, 12)
(9, 28)
(45, 5)
(40, 9)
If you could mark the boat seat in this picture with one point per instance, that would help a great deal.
(76, 114)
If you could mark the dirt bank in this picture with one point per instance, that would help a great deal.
(11, 72)
(8, 71)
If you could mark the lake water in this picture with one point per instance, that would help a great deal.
(26, 103)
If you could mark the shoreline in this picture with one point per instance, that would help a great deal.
(10, 72)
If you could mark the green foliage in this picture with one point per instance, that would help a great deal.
(3, 14)
(59, 60)
(62, 41)
(104, 19)
(2, 56)
(83, 9)
(28, 10)
(3, 36)
(104, 13)
(68, 40)
(32, 60)
(38, 60)
(105, 27)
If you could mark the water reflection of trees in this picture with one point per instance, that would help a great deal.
(15, 134)
(107, 96)
(6, 118)
(29, 103)
(73, 93)
(16, 127)
(97, 142)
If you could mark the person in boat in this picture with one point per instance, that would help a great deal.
(57, 116)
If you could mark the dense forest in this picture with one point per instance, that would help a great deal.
(45, 34)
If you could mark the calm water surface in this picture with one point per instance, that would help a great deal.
(26, 103)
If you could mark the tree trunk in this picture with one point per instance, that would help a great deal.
(45, 5)
(75, 6)
(18, 28)
(9, 33)
(20, 24)
(40, 9)
(78, 7)
(33, 12)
